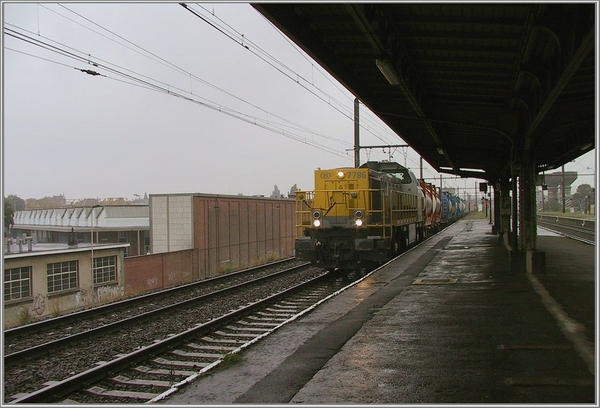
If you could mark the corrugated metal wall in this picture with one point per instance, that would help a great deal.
(196, 236)
(236, 232)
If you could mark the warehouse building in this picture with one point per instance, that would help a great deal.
(106, 223)
(196, 236)
(229, 230)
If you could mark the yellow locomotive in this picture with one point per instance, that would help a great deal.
(359, 217)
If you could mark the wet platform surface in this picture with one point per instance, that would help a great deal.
(446, 322)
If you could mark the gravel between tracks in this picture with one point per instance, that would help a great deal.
(30, 376)
(141, 304)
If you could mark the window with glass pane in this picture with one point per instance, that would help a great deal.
(62, 276)
(17, 283)
(105, 269)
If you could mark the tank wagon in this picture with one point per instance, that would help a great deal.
(453, 207)
(432, 213)
(362, 217)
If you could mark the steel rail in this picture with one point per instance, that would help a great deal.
(74, 383)
(82, 380)
(581, 229)
(128, 303)
(46, 348)
(579, 234)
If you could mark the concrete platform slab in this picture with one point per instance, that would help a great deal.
(474, 334)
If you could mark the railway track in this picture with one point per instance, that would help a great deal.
(133, 362)
(50, 334)
(576, 228)
(67, 353)
(153, 371)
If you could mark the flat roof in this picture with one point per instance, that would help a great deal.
(41, 249)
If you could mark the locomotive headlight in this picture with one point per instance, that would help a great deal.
(316, 219)
(358, 218)
(340, 174)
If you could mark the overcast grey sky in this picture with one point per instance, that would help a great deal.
(182, 105)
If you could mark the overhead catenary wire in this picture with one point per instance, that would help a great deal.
(233, 35)
(256, 50)
(183, 71)
(173, 66)
(70, 66)
(162, 87)
(165, 88)
(335, 84)
(253, 121)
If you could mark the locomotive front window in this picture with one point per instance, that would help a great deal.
(404, 176)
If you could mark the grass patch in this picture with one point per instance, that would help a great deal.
(24, 318)
(228, 269)
(230, 360)
(476, 215)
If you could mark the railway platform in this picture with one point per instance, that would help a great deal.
(446, 322)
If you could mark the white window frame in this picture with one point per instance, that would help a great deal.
(22, 289)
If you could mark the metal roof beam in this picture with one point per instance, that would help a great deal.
(410, 86)
(587, 44)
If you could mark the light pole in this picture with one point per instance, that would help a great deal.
(490, 203)
(92, 243)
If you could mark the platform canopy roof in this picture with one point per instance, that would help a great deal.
(467, 85)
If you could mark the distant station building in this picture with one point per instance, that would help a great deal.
(558, 186)
(49, 279)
